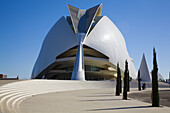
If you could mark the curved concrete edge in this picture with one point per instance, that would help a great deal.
(13, 94)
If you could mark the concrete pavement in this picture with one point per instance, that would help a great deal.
(86, 101)
(63, 96)
(145, 96)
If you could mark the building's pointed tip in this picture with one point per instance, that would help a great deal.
(143, 57)
(100, 5)
(68, 5)
(143, 54)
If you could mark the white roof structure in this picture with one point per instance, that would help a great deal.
(144, 71)
(103, 46)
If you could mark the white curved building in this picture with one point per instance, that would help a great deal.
(83, 46)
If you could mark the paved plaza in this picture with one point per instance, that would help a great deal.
(86, 101)
(55, 96)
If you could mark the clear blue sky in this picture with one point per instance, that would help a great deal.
(24, 24)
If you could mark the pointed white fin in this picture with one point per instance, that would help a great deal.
(144, 71)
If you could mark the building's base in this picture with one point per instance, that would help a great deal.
(78, 75)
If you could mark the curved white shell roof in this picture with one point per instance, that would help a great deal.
(105, 38)
(59, 39)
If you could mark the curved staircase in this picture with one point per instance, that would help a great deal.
(12, 94)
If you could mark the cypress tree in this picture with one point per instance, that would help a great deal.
(155, 93)
(139, 81)
(118, 81)
(125, 81)
(128, 81)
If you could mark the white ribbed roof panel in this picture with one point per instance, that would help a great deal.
(59, 39)
(107, 39)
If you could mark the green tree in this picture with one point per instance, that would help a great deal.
(139, 81)
(118, 83)
(155, 93)
(125, 81)
(128, 81)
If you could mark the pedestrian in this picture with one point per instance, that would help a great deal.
(143, 86)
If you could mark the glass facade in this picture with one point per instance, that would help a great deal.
(88, 68)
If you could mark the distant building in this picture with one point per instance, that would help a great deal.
(168, 80)
(160, 77)
(83, 46)
(144, 71)
(145, 74)
(3, 76)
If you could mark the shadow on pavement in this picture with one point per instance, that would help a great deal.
(102, 100)
(100, 95)
(165, 90)
(119, 108)
(145, 96)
